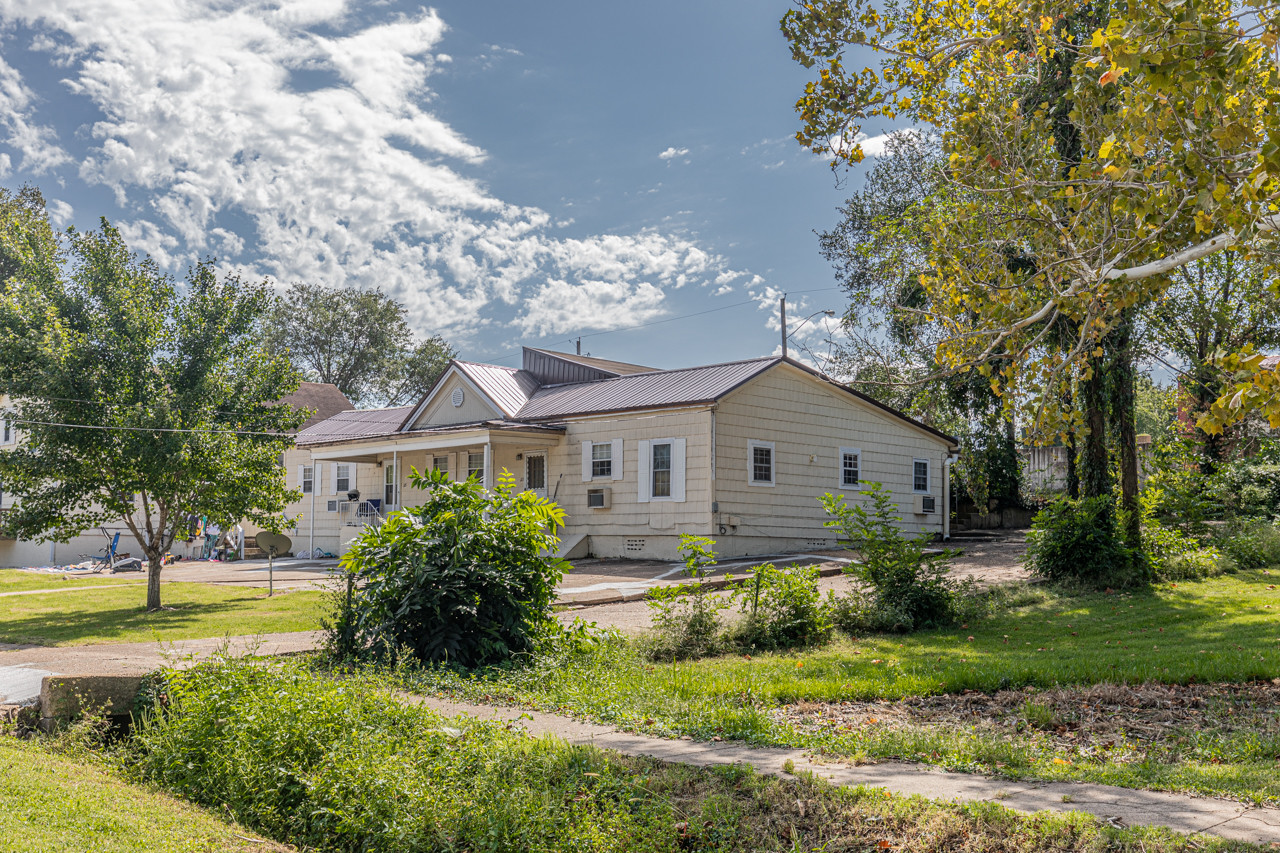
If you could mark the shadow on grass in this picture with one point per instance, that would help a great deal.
(132, 622)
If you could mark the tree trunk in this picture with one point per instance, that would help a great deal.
(1095, 476)
(1123, 420)
(154, 564)
(1073, 471)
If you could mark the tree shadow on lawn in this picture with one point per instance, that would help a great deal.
(121, 624)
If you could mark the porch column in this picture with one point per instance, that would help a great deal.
(488, 464)
(395, 470)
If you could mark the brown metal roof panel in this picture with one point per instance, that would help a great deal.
(359, 423)
(643, 390)
(506, 386)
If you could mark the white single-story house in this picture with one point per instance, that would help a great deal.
(636, 456)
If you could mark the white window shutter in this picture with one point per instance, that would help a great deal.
(616, 453)
(645, 472)
(316, 468)
(677, 470)
(586, 462)
(301, 469)
(334, 487)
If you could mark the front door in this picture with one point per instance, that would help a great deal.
(535, 473)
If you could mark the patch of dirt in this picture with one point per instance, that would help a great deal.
(990, 561)
(1081, 720)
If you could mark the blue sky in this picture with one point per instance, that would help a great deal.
(514, 172)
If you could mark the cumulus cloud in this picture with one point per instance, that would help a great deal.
(672, 153)
(872, 146)
(317, 132)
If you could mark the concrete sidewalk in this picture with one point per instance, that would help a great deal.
(1116, 806)
(19, 665)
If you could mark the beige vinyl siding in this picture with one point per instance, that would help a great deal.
(808, 422)
(442, 412)
(630, 528)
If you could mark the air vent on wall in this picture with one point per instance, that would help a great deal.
(635, 545)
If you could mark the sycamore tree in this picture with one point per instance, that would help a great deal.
(140, 401)
(1103, 146)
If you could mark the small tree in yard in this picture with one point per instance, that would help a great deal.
(468, 577)
(139, 402)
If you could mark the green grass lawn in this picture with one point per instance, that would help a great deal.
(16, 580)
(53, 804)
(118, 614)
(1221, 629)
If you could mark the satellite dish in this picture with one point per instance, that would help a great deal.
(275, 544)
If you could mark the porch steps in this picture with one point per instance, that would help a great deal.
(574, 547)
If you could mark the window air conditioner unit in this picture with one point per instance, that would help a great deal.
(599, 498)
(926, 504)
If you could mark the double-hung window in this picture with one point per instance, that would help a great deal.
(341, 478)
(308, 479)
(475, 466)
(389, 485)
(760, 463)
(850, 466)
(440, 463)
(6, 431)
(661, 472)
(602, 459)
(920, 476)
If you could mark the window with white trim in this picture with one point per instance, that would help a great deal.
(661, 470)
(850, 466)
(308, 479)
(440, 463)
(602, 459)
(7, 431)
(760, 463)
(389, 484)
(920, 475)
(475, 466)
(342, 478)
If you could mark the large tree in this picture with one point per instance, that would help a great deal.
(139, 400)
(359, 340)
(1106, 144)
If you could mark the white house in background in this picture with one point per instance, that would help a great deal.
(636, 456)
(320, 400)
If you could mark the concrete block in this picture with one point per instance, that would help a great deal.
(65, 697)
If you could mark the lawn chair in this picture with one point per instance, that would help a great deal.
(107, 560)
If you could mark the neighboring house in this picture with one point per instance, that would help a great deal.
(322, 401)
(636, 456)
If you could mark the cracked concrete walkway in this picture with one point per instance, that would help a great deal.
(1118, 806)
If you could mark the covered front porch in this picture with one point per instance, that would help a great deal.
(379, 469)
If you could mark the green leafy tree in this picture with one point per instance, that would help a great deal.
(469, 577)
(139, 402)
(358, 340)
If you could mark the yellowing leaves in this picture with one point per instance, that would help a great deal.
(1111, 76)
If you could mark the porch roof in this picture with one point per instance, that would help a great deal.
(368, 448)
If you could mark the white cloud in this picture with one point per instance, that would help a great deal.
(353, 182)
(872, 146)
(672, 153)
(60, 212)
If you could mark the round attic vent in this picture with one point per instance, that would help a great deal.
(457, 397)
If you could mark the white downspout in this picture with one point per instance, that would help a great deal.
(946, 494)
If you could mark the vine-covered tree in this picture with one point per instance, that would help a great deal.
(139, 401)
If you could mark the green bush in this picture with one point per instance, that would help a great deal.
(1251, 544)
(1248, 488)
(686, 620)
(1078, 540)
(464, 578)
(340, 765)
(782, 609)
(908, 588)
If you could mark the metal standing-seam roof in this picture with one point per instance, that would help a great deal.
(643, 390)
(359, 423)
(506, 386)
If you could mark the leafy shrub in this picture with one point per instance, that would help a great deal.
(1078, 540)
(782, 609)
(464, 578)
(1248, 488)
(1251, 544)
(1202, 562)
(908, 588)
(342, 766)
(686, 618)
